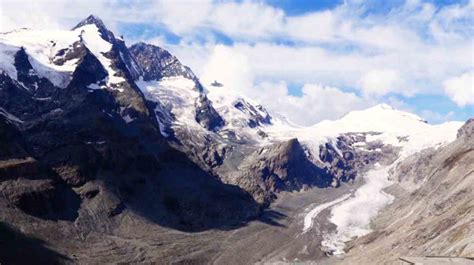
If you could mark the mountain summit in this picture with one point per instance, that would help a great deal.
(107, 150)
(93, 20)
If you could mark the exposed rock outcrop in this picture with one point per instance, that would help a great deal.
(434, 207)
(279, 167)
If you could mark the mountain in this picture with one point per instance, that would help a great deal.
(432, 214)
(114, 153)
(82, 117)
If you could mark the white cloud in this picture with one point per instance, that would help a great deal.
(461, 88)
(234, 70)
(317, 103)
(229, 68)
(379, 82)
(318, 26)
(181, 16)
(246, 19)
(413, 49)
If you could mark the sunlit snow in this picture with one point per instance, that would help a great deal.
(99, 47)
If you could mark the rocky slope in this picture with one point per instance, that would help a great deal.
(124, 153)
(433, 213)
(88, 134)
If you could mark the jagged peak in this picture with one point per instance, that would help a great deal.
(152, 47)
(91, 20)
(94, 20)
(157, 63)
(467, 129)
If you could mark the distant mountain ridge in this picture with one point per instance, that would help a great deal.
(106, 137)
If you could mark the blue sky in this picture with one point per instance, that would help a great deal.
(309, 60)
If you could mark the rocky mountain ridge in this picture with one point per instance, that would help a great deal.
(433, 211)
(105, 138)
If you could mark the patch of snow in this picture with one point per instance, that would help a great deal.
(99, 47)
(176, 96)
(10, 117)
(41, 46)
(42, 99)
(236, 120)
(94, 86)
(7, 59)
(128, 119)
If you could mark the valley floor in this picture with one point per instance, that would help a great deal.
(282, 240)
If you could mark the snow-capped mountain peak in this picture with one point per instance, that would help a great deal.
(93, 20)
(379, 118)
(157, 63)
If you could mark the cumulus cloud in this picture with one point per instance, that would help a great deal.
(379, 82)
(230, 68)
(317, 102)
(461, 88)
(409, 51)
(414, 48)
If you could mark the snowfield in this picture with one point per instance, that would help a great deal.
(41, 47)
(177, 96)
(99, 47)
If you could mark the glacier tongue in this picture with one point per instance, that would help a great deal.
(353, 216)
(390, 127)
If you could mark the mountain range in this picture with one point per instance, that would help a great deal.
(119, 154)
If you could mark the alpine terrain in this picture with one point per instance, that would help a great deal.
(117, 153)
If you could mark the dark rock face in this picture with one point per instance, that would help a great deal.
(206, 115)
(280, 167)
(257, 115)
(467, 129)
(79, 138)
(15, 98)
(40, 87)
(43, 198)
(156, 63)
(15, 244)
(27, 185)
(12, 144)
(88, 70)
(344, 161)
